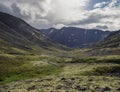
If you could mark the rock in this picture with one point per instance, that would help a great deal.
(32, 88)
(106, 89)
(81, 88)
(51, 91)
(39, 80)
(63, 79)
(80, 79)
(59, 87)
(1, 79)
(118, 89)
(98, 88)
(69, 83)
(67, 87)
(90, 80)
(72, 79)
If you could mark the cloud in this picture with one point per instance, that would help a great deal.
(100, 17)
(4, 8)
(65, 11)
(101, 27)
(59, 13)
(99, 5)
(90, 17)
(114, 3)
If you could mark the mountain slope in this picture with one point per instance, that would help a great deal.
(113, 40)
(16, 33)
(75, 37)
(108, 46)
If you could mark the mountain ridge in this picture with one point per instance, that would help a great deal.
(75, 37)
(108, 46)
(16, 33)
(112, 40)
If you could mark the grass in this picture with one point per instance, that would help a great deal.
(103, 71)
(23, 73)
(17, 67)
(98, 59)
(91, 72)
(64, 77)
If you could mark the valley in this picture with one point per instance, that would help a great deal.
(31, 62)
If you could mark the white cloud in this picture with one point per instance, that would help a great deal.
(99, 5)
(58, 26)
(59, 13)
(65, 11)
(106, 18)
(113, 3)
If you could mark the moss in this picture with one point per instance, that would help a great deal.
(16, 67)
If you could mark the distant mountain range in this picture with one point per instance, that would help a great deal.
(75, 37)
(16, 34)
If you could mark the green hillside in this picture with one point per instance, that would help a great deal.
(30, 62)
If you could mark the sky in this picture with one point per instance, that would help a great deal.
(89, 14)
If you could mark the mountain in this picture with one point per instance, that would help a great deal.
(17, 34)
(108, 46)
(75, 37)
(112, 40)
